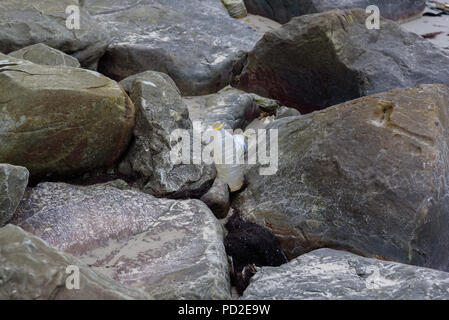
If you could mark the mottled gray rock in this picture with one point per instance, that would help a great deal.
(327, 274)
(283, 10)
(196, 42)
(13, 181)
(217, 199)
(170, 249)
(320, 60)
(233, 108)
(284, 112)
(369, 176)
(161, 111)
(42, 54)
(23, 23)
(31, 270)
(60, 120)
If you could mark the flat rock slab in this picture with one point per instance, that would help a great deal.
(13, 181)
(320, 60)
(31, 270)
(196, 42)
(170, 249)
(283, 10)
(24, 23)
(42, 54)
(60, 121)
(327, 274)
(368, 176)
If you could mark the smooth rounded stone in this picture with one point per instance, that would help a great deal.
(320, 60)
(217, 199)
(196, 42)
(161, 111)
(236, 8)
(42, 54)
(368, 176)
(327, 274)
(233, 108)
(24, 23)
(284, 112)
(283, 10)
(13, 181)
(31, 270)
(171, 249)
(61, 121)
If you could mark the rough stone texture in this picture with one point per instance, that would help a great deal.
(196, 42)
(13, 181)
(283, 10)
(31, 270)
(320, 60)
(60, 120)
(337, 275)
(42, 54)
(233, 108)
(160, 111)
(284, 112)
(369, 176)
(170, 249)
(24, 22)
(217, 199)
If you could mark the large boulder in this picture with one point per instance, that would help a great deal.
(23, 23)
(31, 270)
(196, 42)
(13, 181)
(60, 120)
(161, 111)
(327, 274)
(283, 10)
(171, 249)
(42, 54)
(320, 60)
(369, 176)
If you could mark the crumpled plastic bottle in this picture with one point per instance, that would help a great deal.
(230, 163)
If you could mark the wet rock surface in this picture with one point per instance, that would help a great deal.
(13, 181)
(43, 54)
(161, 111)
(368, 176)
(283, 10)
(320, 60)
(60, 121)
(196, 42)
(24, 23)
(327, 274)
(31, 270)
(170, 249)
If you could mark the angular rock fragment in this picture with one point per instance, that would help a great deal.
(13, 181)
(217, 199)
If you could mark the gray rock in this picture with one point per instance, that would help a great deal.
(320, 60)
(327, 274)
(42, 54)
(13, 181)
(61, 121)
(283, 10)
(217, 199)
(171, 249)
(369, 176)
(284, 112)
(31, 270)
(233, 108)
(196, 42)
(160, 111)
(23, 23)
